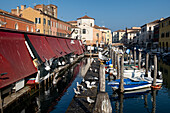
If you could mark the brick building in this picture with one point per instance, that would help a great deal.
(11, 21)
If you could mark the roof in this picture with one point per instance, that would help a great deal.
(72, 22)
(98, 27)
(85, 17)
(120, 30)
(153, 22)
(13, 15)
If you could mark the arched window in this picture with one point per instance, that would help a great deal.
(31, 29)
(16, 26)
(84, 31)
(27, 28)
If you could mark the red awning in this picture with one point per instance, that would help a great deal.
(70, 45)
(15, 59)
(64, 45)
(53, 42)
(42, 47)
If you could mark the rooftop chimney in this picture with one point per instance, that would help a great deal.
(55, 12)
(23, 7)
(17, 10)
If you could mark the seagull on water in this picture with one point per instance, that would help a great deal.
(76, 92)
(90, 100)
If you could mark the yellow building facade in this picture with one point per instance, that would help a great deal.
(164, 35)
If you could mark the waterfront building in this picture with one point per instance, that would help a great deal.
(90, 33)
(164, 35)
(11, 21)
(118, 35)
(155, 40)
(130, 34)
(147, 32)
(45, 18)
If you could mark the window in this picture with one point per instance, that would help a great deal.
(31, 29)
(149, 28)
(44, 21)
(84, 31)
(48, 22)
(91, 24)
(162, 35)
(53, 24)
(38, 20)
(27, 28)
(56, 25)
(16, 26)
(79, 24)
(149, 37)
(162, 25)
(167, 34)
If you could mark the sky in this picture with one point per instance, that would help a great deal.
(113, 14)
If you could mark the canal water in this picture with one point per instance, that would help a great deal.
(146, 100)
(57, 99)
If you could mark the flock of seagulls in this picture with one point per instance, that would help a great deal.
(89, 85)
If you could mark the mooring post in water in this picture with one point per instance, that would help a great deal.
(121, 96)
(155, 70)
(1, 102)
(102, 104)
(130, 54)
(139, 60)
(147, 64)
(113, 53)
(146, 101)
(121, 86)
(102, 78)
(118, 67)
(154, 101)
(135, 56)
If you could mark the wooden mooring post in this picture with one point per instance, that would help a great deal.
(121, 86)
(139, 60)
(118, 67)
(113, 59)
(102, 104)
(147, 64)
(134, 56)
(130, 54)
(155, 70)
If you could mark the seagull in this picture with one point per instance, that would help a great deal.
(95, 78)
(102, 57)
(95, 70)
(83, 80)
(93, 83)
(76, 92)
(78, 85)
(90, 100)
(91, 69)
(83, 88)
(94, 61)
(46, 64)
(88, 84)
